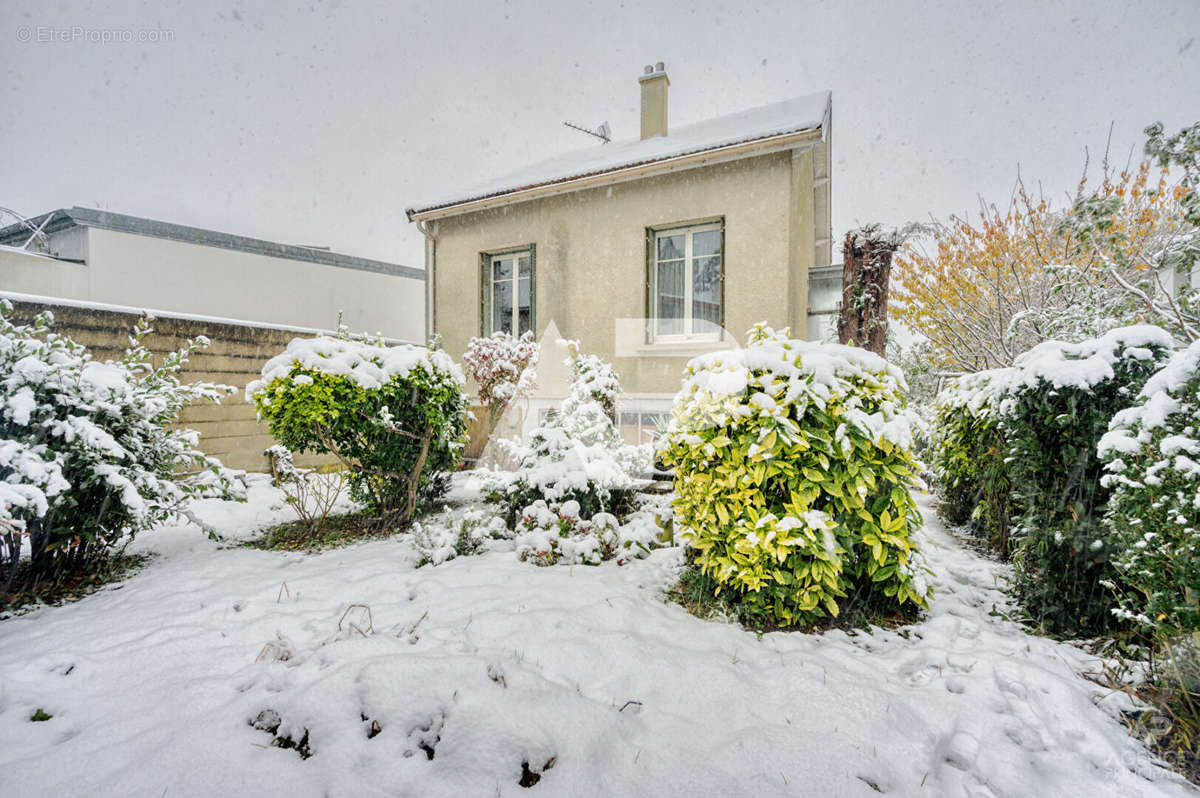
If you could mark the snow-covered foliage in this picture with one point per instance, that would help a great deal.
(503, 367)
(1057, 403)
(394, 416)
(575, 454)
(550, 533)
(370, 364)
(967, 455)
(793, 474)
(593, 378)
(88, 455)
(456, 534)
(1152, 464)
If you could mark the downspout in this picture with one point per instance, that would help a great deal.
(430, 233)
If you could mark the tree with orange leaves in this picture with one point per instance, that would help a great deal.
(989, 291)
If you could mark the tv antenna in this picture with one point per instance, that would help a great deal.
(604, 132)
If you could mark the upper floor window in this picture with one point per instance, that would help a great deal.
(686, 281)
(508, 291)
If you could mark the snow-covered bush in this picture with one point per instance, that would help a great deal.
(88, 453)
(575, 454)
(502, 366)
(1058, 402)
(593, 378)
(551, 533)
(394, 416)
(1152, 456)
(793, 474)
(456, 534)
(968, 456)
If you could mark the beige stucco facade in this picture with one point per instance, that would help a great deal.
(592, 256)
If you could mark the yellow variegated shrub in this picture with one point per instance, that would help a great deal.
(793, 471)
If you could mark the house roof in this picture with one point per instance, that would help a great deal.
(64, 218)
(798, 115)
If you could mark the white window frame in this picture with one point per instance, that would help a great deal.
(688, 334)
(515, 256)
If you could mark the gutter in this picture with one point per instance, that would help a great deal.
(430, 232)
(763, 146)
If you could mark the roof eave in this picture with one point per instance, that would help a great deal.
(729, 152)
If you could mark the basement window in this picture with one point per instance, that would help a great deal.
(686, 282)
(508, 291)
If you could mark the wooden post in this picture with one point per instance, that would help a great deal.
(867, 254)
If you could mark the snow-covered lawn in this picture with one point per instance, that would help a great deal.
(490, 663)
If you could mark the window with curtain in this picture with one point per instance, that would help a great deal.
(508, 292)
(686, 276)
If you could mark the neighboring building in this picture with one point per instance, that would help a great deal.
(110, 258)
(649, 251)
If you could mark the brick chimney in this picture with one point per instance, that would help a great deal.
(654, 82)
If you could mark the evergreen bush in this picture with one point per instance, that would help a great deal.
(968, 457)
(89, 454)
(1152, 467)
(1058, 402)
(793, 474)
(395, 416)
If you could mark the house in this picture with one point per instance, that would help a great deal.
(82, 254)
(650, 250)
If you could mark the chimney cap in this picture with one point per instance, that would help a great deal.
(653, 72)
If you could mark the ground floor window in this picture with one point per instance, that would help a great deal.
(508, 291)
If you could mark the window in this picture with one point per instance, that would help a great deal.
(686, 281)
(508, 291)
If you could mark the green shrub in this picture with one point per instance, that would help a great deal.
(1152, 456)
(968, 455)
(90, 453)
(1057, 405)
(792, 476)
(394, 416)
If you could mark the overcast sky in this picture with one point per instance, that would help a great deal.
(321, 123)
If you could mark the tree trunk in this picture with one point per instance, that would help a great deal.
(414, 478)
(867, 267)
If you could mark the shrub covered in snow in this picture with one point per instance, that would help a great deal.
(502, 366)
(394, 416)
(1152, 456)
(968, 456)
(456, 534)
(593, 378)
(576, 454)
(88, 453)
(793, 473)
(1059, 399)
(553, 533)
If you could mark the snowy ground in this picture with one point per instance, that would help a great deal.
(491, 663)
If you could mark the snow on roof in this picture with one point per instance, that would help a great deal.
(796, 115)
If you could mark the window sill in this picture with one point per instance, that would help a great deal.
(685, 348)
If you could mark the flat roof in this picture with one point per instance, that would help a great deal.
(64, 218)
(796, 115)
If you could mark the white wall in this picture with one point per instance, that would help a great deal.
(161, 274)
(25, 273)
(171, 275)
